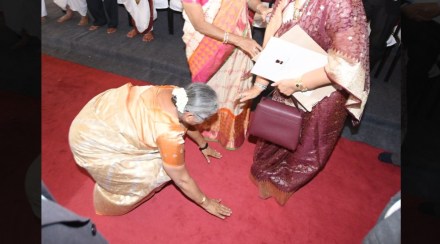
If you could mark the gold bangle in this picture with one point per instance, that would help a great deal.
(299, 85)
(203, 200)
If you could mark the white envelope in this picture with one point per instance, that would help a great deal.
(290, 56)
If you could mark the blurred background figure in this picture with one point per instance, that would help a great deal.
(104, 12)
(383, 16)
(70, 6)
(43, 11)
(141, 17)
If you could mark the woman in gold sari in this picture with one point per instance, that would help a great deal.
(340, 28)
(130, 140)
(219, 48)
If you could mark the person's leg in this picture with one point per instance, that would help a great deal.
(148, 34)
(112, 8)
(133, 32)
(383, 17)
(83, 21)
(67, 16)
(96, 9)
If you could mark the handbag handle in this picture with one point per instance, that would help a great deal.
(294, 100)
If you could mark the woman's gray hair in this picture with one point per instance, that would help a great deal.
(202, 101)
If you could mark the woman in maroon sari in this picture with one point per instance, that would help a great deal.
(340, 28)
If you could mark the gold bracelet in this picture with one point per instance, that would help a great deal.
(299, 85)
(203, 200)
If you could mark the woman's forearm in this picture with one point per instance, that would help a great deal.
(196, 137)
(185, 182)
(255, 5)
(315, 79)
(196, 17)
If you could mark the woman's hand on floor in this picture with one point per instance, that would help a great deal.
(211, 152)
(214, 207)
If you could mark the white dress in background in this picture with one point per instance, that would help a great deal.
(79, 6)
(140, 12)
(43, 8)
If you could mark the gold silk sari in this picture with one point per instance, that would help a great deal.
(122, 137)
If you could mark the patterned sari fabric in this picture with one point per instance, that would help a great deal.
(230, 77)
(340, 28)
(122, 137)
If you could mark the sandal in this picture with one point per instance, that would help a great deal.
(148, 37)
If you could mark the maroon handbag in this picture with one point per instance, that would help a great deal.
(277, 123)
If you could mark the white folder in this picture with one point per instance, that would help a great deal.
(290, 56)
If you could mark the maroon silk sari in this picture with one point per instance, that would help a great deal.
(338, 26)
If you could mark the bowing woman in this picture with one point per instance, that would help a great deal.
(130, 141)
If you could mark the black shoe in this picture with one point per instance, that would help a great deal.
(385, 157)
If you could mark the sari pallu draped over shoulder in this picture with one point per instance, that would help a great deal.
(206, 55)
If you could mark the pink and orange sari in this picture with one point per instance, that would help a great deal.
(223, 67)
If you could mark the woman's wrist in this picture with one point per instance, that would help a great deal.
(204, 201)
(260, 86)
(299, 86)
(258, 8)
(203, 146)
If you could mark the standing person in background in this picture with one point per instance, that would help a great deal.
(69, 6)
(43, 11)
(340, 28)
(141, 16)
(219, 48)
(383, 16)
(100, 9)
(421, 39)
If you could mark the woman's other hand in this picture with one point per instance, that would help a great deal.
(214, 207)
(259, 86)
(211, 152)
(265, 13)
(249, 94)
(249, 46)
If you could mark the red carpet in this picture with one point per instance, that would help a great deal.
(339, 206)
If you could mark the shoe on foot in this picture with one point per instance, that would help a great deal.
(385, 157)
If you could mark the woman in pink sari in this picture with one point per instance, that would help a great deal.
(219, 48)
(340, 28)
